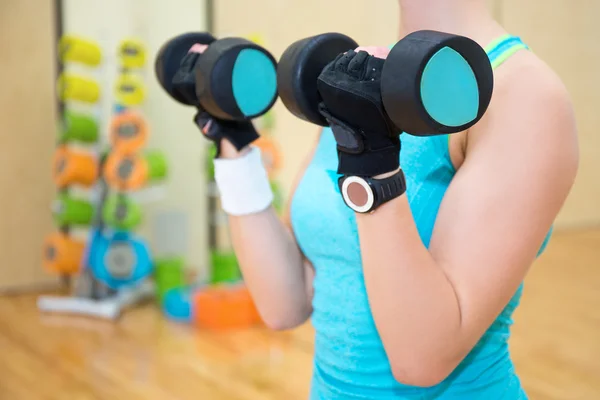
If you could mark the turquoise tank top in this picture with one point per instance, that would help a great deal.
(350, 361)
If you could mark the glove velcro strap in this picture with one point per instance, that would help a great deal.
(242, 137)
(370, 162)
(239, 133)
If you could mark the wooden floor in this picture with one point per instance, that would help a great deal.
(556, 346)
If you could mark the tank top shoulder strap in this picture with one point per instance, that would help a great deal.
(498, 52)
(502, 48)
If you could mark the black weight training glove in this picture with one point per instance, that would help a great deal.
(368, 143)
(239, 133)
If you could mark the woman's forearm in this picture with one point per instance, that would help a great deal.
(414, 304)
(271, 263)
(273, 268)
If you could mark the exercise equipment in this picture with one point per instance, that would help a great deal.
(122, 213)
(225, 307)
(107, 307)
(74, 167)
(72, 87)
(271, 154)
(225, 267)
(169, 274)
(69, 210)
(112, 267)
(235, 79)
(431, 83)
(134, 171)
(80, 128)
(119, 259)
(62, 254)
(178, 305)
(132, 54)
(128, 132)
(75, 49)
(130, 90)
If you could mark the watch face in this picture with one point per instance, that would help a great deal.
(357, 194)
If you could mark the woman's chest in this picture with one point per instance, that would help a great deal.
(326, 228)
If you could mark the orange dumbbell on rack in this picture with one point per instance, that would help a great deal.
(62, 254)
(74, 167)
(225, 307)
(128, 132)
(271, 154)
(133, 171)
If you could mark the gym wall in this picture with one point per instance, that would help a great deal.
(562, 32)
(27, 137)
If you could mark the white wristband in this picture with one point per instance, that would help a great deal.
(243, 184)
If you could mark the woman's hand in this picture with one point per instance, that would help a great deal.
(350, 86)
(375, 51)
(232, 138)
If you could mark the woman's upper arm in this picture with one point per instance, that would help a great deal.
(521, 163)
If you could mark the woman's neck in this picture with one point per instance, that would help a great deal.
(468, 18)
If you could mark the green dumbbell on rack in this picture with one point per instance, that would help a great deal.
(225, 267)
(122, 213)
(79, 128)
(69, 210)
(169, 274)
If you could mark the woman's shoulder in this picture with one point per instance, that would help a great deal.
(526, 76)
(527, 94)
(529, 100)
(531, 110)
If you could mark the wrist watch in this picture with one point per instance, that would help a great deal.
(364, 195)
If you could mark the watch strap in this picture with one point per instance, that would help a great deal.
(388, 188)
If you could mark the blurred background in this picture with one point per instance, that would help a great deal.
(65, 334)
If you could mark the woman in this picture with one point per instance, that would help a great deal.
(414, 300)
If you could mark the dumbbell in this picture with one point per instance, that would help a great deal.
(62, 254)
(132, 54)
(119, 212)
(133, 171)
(130, 90)
(128, 132)
(74, 87)
(74, 167)
(73, 49)
(119, 260)
(79, 127)
(432, 82)
(235, 79)
(70, 210)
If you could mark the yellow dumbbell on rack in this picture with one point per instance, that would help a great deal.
(132, 54)
(130, 90)
(79, 50)
(78, 88)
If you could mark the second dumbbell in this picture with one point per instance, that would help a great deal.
(231, 78)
